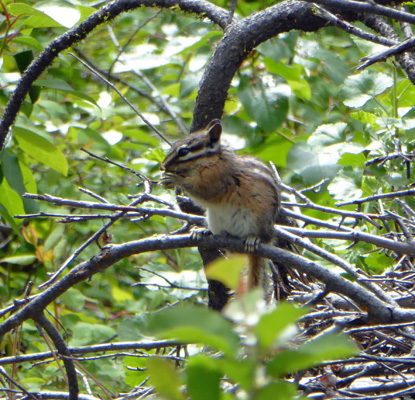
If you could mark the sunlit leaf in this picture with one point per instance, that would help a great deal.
(189, 324)
(228, 271)
(41, 149)
(358, 89)
(165, 378)
(203, 378)
(27, 259)
(325, 348)
(272, 324)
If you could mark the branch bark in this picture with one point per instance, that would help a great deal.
(377, 309)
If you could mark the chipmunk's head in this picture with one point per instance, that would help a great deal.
(187, 154)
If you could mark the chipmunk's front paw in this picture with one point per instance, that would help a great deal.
(167, 180)
(251, 244)
(197, 232)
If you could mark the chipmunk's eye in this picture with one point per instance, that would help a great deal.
(183, 151)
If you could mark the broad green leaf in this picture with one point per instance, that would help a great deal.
(324, 348)
(352, 160)
(20, 179)
(121, 295)
(241, 372)
(335, 67)
(136, 371)
(164, 377)
(62, 12)
(10, 199)
(358, 89)
(190, 324)
(344, 188)
(313, 165)
(130, 329)
(28, 41)
(326, 135)
(365, 118)
(10, 220)
(267, 107)
(12, 172)
(228, 271)
(23, 9)
(22, 259)
(271, 325)
(86, 333)
(73, 299)
(41, 149)
(293, 76)
(280, 390)
(23, 59)
(57, 84)
(203, 378)
(406, 93)
(377, 263)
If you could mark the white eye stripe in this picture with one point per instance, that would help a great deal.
(193, 153)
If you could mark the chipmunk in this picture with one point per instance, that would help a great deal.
(239, 193)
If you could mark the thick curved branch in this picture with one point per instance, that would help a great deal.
(377, 309)
(79, 33)
(63, 351)
(239, 39)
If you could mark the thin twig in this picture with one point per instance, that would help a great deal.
(144, 119)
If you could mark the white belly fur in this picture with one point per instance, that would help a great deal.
(234, 221)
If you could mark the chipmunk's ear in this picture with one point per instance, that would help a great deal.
(215, 130)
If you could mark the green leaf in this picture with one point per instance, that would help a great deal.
(313, 165)
(203, 378)
(59, 84)
(344, 188)
(62, 12)
(73, 299)
(326, 135)
(7, 217)
(189, 324)
(267, 107)
(85, 333)
(241, 372)
(22, 259)
(293, 75)
(41, 149)
(324, 348)
(20, 179)
(228, 271)
(28, 41)
(130, 329)
(23, 9)
(352, 160)
(358, 89)
(12, 172)
(365, 118)
(273, 324)
(164, 377)
(23, 60)
(12, 202)
(277, 390)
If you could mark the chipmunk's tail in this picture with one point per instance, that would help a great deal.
(257, 272)
(258, 277)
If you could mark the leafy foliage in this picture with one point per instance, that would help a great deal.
(295, 101)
